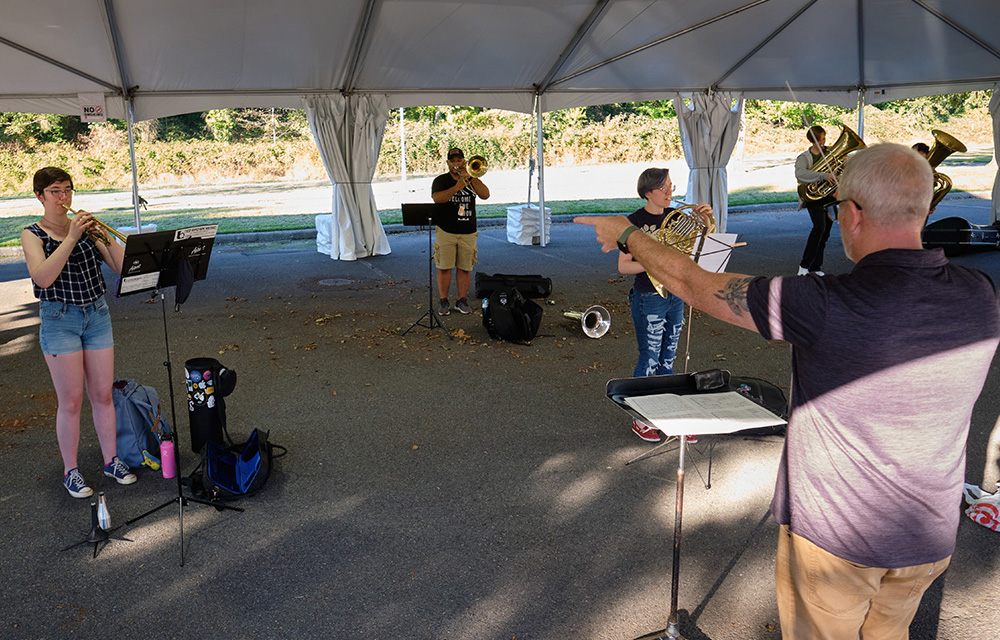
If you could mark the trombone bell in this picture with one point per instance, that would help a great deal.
(595, 321)
(477, 166)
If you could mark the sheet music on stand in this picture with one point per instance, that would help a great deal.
(703, 413)
(716, 251)
(151, 258)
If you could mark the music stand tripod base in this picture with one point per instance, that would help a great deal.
(420, 215)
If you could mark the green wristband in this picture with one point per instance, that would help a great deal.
(623, 238)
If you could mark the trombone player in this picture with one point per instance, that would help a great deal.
(64, 263)
(455, 240)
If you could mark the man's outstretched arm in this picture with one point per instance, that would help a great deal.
(722, 295)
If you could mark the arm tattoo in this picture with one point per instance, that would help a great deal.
(735, 295)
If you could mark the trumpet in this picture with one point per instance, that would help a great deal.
(101, 231)
(595, 321)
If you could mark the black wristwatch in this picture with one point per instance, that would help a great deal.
(623, 238)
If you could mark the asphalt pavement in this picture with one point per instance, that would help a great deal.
(433, 488)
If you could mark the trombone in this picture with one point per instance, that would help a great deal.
(476, 166)
(102, 232)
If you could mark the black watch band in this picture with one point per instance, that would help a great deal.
(623, 238)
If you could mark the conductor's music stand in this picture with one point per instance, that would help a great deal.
(708, 382)
(152, 262)
(430, 214)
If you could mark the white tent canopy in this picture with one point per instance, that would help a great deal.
(187, 56)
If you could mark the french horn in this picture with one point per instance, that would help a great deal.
(681, 229)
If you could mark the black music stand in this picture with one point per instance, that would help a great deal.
(708, 382)
(430, 214)
(152, 262)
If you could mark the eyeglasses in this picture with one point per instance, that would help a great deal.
(836, 206)
(59, 192)
(667, 188)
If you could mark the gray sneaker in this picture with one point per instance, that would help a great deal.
(444, 307)
(462, 306)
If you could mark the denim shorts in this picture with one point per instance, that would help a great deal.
(68, 328)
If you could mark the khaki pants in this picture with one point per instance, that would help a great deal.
(824, 597)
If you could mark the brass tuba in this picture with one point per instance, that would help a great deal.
(944, 145)
(681, 229)
(595, 321)
(477, 166)
(831, 162)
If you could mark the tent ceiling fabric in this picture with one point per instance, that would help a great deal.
(189, 55)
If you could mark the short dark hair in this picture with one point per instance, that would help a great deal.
(650, 180)
(47, 176)
(921, 147)
(813, 133)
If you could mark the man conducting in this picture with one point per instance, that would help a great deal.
(455, 240)
(887, 363)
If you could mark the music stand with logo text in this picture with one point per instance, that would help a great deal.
(152, 262)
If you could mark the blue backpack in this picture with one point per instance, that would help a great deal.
(141, 426)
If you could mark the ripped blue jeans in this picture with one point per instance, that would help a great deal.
(658, 322)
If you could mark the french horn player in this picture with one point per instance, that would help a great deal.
(657, 314)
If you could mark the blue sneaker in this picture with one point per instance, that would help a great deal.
(119, 471)
(76, 485)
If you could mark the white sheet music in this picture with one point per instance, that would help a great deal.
(716, 251)
(702, 414)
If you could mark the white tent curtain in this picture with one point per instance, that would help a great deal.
(348, 131)
(995, 112)
(710, 127)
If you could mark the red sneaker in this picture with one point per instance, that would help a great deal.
(692, 439)
(644, 431)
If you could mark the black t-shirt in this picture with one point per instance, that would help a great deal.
(466, 201)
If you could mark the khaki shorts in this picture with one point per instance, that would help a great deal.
(455, 250)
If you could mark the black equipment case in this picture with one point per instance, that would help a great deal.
(530, 286)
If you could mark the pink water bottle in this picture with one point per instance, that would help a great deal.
(167, 462)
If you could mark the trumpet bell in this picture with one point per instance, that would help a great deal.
(595, 321)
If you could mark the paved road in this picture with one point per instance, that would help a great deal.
(464, 489)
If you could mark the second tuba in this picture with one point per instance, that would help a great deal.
(831, 162)
(681, 229)
(944, 145)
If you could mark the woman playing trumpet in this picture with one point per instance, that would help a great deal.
(75, 333)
